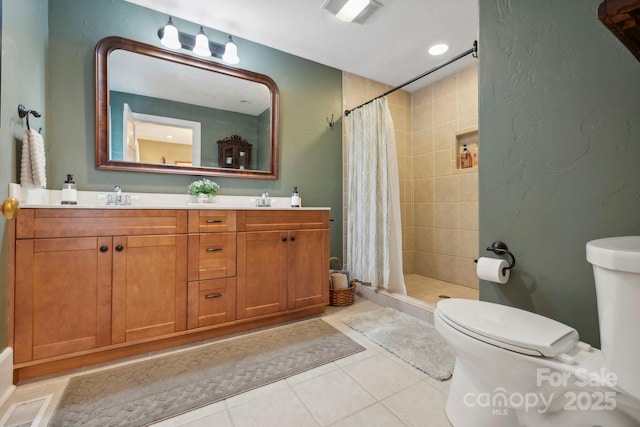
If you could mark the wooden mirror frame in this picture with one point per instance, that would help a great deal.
(108, 45)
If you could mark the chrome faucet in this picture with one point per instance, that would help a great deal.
(118, 190)
(264, 201)
(116, 198)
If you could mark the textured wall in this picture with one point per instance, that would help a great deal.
(24, 62)
(559, 128)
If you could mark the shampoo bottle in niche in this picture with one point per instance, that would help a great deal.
(295, 198)
(465, 158)
(69, 193)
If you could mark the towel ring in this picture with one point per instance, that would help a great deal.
(24, 112)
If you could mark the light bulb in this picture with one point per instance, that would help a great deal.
(170, 36)
(202, 44)
(230, 52)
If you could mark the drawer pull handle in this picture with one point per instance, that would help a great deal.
(214, 221)
(104, 248)
(212, 296)
(214, 249)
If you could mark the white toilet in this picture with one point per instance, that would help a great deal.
(516, 368)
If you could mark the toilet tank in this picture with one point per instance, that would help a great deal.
(616, 269)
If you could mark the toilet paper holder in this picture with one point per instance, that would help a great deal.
(500, 248)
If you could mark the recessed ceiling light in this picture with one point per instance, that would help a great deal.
(438, 49)
(169, 136)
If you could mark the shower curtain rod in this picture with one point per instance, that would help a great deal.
(473, 51)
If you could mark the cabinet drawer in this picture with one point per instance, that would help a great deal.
(211, 221)
(257, 220)
(211, 302)
(212, 256)
(47, 223)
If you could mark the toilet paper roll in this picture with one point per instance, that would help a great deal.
(339, 281)
(491, 269)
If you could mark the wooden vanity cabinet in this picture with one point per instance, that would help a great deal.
(285, 256)
(91, 285)
(90, 278)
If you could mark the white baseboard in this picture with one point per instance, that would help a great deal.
(6, 375)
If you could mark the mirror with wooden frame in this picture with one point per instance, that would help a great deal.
(166, 112)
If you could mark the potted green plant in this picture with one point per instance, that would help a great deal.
(204, 189)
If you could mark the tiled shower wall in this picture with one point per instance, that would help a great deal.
(439, 202)
(445, 197)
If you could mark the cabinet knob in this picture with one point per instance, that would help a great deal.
(119, 248)
(214, 249)
(293, 238)
(104, 248)
(284, 238)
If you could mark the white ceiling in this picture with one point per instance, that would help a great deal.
(391, 47)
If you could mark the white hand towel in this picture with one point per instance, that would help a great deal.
(26, 175)
(38, 161)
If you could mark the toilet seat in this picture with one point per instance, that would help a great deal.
(508, 327)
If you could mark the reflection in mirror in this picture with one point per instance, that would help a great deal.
(168, 112)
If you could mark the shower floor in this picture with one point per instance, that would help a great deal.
(430, 290)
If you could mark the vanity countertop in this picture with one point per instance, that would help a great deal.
(51, 199)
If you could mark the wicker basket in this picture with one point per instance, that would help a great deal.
(341, 297)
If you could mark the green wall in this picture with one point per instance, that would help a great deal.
(559, 124)
(310, 152)
(24, 56)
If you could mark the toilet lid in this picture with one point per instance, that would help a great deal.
(508, 327)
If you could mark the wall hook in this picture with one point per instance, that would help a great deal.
(500, 248)
(24, 112)
(331, 122)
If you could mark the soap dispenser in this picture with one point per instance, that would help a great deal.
(69, 193)
(295, 198)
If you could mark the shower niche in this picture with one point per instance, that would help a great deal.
(466, 150)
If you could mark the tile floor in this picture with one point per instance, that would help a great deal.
(371, 388)
(429, 290)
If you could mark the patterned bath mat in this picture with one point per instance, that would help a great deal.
(413, 340)
(152, 390)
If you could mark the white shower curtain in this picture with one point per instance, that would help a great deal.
(374, 234)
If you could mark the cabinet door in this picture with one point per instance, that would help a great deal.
(262, 281)
(308, 268)
(149, 286)
(62, 296)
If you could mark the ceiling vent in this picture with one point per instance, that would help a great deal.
(357, 11)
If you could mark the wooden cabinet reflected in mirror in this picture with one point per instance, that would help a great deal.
(166, 112)
(235, 153)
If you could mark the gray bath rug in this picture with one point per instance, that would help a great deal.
(152, 390)
(413, 340)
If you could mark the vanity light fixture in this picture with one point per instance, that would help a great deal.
(356, 11)
(201, 47)
(230, 52)
(199, 44)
